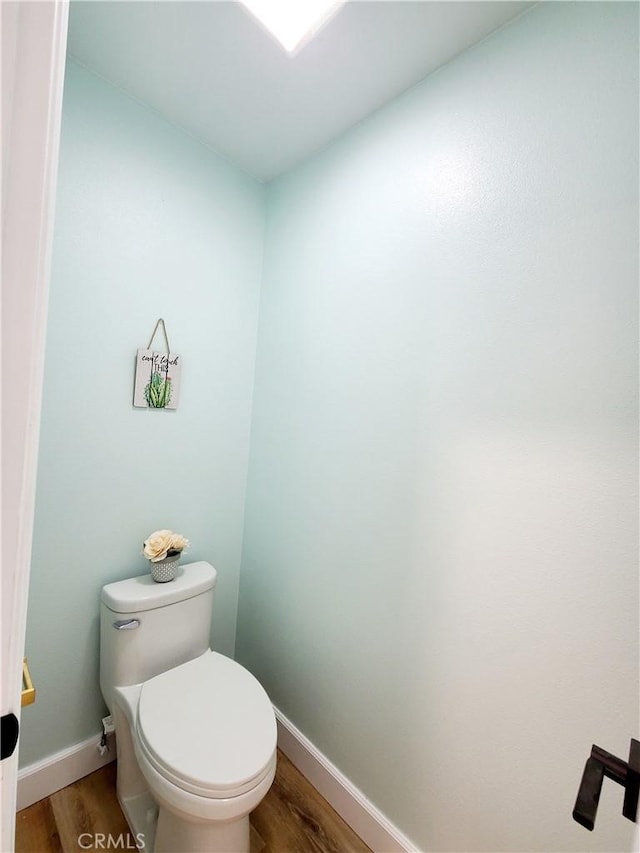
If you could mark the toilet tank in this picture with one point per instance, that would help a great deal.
(147, 628)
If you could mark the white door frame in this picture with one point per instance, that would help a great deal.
(34, 39)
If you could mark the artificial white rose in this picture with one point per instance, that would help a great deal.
(157, 545)
(178, 542)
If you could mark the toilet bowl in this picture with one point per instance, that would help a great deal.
(196, 742)
(204, 739)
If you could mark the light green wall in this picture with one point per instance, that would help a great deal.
(439, 579)
(439, 582)
(149, 224)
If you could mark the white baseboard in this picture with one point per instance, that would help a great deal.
(351, 804)
(43, 778)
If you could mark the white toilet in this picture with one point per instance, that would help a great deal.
(195, 731)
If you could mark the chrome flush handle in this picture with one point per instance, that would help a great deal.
(126, 624)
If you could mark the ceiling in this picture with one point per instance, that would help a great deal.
(209, 68)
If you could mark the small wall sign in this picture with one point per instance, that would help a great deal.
(157, 380)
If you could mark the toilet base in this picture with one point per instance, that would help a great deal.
(157, 830)
(174, 834)
(141, 812)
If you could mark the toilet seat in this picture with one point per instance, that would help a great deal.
(208, 727)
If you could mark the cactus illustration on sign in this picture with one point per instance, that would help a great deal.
(157, 391)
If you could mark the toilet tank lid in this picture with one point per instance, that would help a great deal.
(143, 593)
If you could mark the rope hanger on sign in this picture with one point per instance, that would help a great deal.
(164, 330)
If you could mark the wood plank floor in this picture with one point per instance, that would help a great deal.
(292, 818)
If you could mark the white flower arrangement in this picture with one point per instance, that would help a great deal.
(162, 544)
